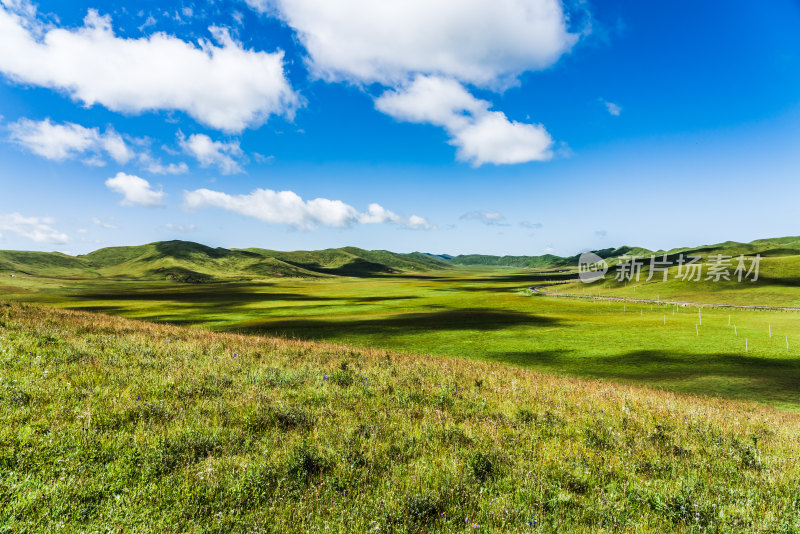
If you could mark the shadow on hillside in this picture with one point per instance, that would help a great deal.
(201, 304)
(479, 289)
(767, 280)
(357, 268)
(520, 278)
(735, 375)
(483, 319)
(200, 295)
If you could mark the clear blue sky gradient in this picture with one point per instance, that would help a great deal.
(706, 147)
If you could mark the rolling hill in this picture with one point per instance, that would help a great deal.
(773, 247)
(185, 261)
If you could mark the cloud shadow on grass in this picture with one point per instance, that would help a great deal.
(750, 377)
(484, 319)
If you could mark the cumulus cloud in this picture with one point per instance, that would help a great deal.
(480, 135)
(482, 42)
(377, 214)
(68, 141)
(208, 152)
(38, 229)
(222, 85)
(408, 44)
(489, 218)
(135, 190)
(287, 207)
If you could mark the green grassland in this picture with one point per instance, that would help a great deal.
(778, 284)
(114, 425)
(476, 314)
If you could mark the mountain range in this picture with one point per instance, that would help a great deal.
(184, 261)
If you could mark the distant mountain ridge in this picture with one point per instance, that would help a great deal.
(186, 261)
(781, 246)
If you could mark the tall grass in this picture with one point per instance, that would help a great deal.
(113, 425)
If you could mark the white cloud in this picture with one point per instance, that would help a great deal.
(531, 225)
(416, 222)
(96, 221)
(223, 86)
(38, 229)
(489, 218)
(115, 146)
(67, 141)
(492, 138)
(612, 108)
(482, 42)
(286, 207)
(151, 21)
(70, 141)
(480, 135)
(377, 214)
(154, 166)
(135, 190)
(180, 227)
(217, 153)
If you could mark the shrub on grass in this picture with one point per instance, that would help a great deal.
(421, 508)
(483, 466)
(306, 462)
(343, 378)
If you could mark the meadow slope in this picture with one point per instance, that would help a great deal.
(110, 424)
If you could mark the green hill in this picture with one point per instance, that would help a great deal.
(773, 247)
(192, 262)
(544, 261)
(185, 261)
(778, 280)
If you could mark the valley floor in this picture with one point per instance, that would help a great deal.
(480, 315)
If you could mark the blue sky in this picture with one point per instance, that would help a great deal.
(455, 126)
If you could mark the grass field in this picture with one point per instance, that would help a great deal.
(778, 284)
(479, 314)
(112, 425)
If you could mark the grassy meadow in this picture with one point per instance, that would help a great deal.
(114, 425)
(483, 314)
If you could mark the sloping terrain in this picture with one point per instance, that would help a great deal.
(191, 262)
(113, 425)
(774, 247)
